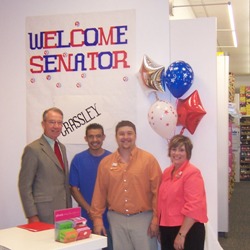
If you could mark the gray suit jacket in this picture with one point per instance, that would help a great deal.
(43, 185)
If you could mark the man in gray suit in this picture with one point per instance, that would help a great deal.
(43, 180)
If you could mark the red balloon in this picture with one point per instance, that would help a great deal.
(190, 112)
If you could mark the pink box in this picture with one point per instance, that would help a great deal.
(83, 232)
(70, 225)
(79, 221)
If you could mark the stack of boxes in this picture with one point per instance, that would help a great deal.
(72, 230)
(243, 109)
(231, 100)
(245, 100)
(231, 93)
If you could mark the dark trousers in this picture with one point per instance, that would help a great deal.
(194, 240)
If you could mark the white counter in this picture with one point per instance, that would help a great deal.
(20, 239)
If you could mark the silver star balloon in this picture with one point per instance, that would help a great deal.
(151, 74)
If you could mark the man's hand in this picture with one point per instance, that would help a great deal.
(34, 218)
(100, 230)
(153, 230)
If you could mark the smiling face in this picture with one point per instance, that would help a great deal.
(52, 124)
(125, 137)
(95, 138)
(180, 150)
(178, 155)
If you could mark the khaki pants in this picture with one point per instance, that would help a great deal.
(130, 232)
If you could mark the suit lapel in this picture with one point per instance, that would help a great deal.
(49, 151)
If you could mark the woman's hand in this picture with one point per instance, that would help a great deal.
(179, 242)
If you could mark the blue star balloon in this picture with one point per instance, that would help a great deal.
(179, 78)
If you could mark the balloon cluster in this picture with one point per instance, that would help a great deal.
(178, 78)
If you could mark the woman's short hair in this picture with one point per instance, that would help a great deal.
(178, 141)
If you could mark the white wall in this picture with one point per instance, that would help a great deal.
(152, 34)
(12, 111)
(223, 141)
(187, 42)
(153, 39)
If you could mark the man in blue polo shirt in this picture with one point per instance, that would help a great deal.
(83, 171)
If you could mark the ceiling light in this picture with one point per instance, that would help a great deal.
(231, 17)
(230, 13)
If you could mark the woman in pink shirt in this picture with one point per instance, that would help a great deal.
(182, 208)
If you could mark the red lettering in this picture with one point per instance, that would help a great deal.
(34, 62)
(49, 35)
(120, 57)
(74, 42)
(92, 56)
(102, 37)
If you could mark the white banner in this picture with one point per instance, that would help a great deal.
(83, 64)
(82, 111)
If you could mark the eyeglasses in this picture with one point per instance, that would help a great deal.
(53, 123)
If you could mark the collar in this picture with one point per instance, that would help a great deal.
(178, 173)
(133, 152)
(50, 141)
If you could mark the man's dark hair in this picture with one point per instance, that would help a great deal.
(125, 123)
(94, 126)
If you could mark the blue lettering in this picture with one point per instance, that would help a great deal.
(36, 43)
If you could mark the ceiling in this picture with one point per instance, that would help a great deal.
(239, 57)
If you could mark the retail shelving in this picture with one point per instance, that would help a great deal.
(245, 148)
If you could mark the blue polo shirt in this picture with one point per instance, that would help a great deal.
(83, 171)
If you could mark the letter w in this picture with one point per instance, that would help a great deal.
(34, 41)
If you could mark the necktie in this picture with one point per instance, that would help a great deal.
(58, 154)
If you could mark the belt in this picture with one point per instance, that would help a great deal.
(127, 214)
(134, 213)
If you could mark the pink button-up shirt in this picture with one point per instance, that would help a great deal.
(181, 195)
